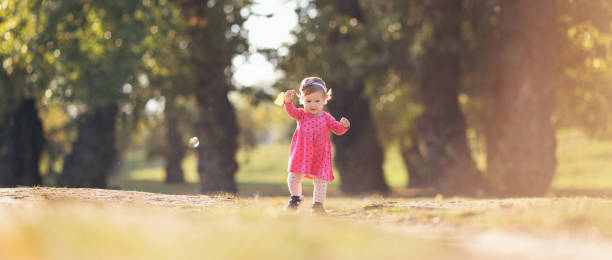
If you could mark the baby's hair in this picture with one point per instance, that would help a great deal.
(310, 85)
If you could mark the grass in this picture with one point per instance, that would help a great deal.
(583, 163)
(583, 169)
(262, 171)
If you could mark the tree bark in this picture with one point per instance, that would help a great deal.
(520, 138)
(93, 153)
(176, 148)
(22, 145)
(443, 127)
(359, 155)
(217, 130)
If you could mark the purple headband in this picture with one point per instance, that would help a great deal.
(311, 82)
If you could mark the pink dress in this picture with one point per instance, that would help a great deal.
(310, 152)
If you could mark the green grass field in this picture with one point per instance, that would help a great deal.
(583, 169)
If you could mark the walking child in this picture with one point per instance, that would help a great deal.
(310, 153)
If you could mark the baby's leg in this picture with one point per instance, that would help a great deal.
(294, 181)
(320, 189)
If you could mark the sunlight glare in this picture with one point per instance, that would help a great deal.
(265, 32)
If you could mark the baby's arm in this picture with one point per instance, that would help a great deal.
(291, 110)
(338, 128)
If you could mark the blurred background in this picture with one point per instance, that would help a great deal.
(471, 97)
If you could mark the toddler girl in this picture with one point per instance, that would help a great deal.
(310, 152)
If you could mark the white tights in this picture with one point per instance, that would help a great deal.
(294, 181)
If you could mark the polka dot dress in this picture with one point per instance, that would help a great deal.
(310, 151)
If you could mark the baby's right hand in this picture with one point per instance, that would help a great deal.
(289, 95)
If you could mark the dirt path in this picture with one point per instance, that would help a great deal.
(505, 245)
(487, 243)
(417, 220)
(38, 194)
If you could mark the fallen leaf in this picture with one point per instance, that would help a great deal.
(280, 99)
(439, 197)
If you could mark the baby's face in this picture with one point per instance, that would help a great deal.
(314, 102)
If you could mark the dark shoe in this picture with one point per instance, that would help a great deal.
(317, 209)
(294, 202)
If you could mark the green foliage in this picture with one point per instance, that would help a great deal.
(215, 34)
(312, 53)
(97, 48)
(584, 94)
(24, 57)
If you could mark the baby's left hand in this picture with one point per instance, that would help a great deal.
(345, 122)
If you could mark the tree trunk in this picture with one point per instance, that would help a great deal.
(211, 54)
(443, 126)
(418, 174)
(359, 155)
(22, 145)
(217, 130)
(520, 138)
(176, 148)
(93, 153)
